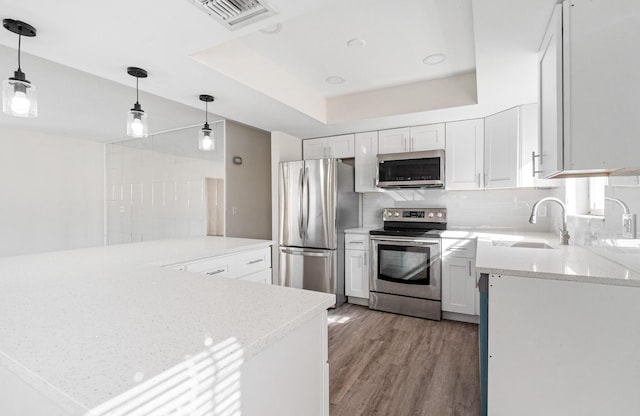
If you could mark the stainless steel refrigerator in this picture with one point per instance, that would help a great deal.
(317, 203)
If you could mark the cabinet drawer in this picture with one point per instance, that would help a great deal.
(263, 276)
(356, 241)
(217, 266)
(252, 261)
(465, 248)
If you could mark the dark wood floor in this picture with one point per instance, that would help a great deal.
(383, 364)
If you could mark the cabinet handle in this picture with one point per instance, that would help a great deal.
(453, 248)
(533, 163)
(479, 186)
(365, 258)
(469, 267)
(216, 272)
(255, 261)
(413, 142)
(356, 242)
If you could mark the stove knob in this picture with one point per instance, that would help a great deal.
(431, 215)
(439, 215)
(397, 214)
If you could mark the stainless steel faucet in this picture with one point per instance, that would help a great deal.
(564, 233)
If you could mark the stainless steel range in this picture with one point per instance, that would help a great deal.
(406, 262)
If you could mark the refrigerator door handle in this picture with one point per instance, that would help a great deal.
(306, 226)
(300, 252)
(301, 211)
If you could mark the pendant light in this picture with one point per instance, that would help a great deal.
(18, 94)
(136, 118)
(206, 139)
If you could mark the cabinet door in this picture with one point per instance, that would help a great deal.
(356, 273)
(501, 147)
(341, 147)
(263, 276)
(314, 148)
(550, 160)
(366, 153)
(458, 286)
(430, 137)
(464, 154)
(393, 141)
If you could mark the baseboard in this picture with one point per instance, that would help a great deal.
(453, 316)
(358, 301)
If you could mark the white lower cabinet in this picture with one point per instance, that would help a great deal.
(356, 273)
(459, 292)
(356, 265)
(248, 265)
(263, 276)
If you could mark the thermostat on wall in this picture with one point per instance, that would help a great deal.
(237, 160)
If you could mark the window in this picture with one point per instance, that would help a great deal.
(585, 196)
(596, 195)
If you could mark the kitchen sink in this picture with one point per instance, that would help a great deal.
(522, 244)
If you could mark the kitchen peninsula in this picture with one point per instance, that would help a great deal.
(109, 331)
(560, 328)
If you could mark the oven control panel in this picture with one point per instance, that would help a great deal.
(415, 214)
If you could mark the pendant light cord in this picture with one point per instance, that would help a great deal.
(206, 112)
(19, 47)
(137, 98)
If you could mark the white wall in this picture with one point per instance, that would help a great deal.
(52, 192)
(248, 186)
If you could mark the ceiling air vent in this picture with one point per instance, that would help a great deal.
(236, 13)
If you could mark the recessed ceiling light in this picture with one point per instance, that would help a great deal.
(436, 58)
(357, 43)
(272, 30)
(334, 80)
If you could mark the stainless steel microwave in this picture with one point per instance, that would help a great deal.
(411, 170)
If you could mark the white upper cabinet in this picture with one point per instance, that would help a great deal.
(549, 160)
(366, 161)
(430, 137)
(314, 148)
(464, 154)
(510, 142)
(501, 149)
(589, 88)
(411, 139)
(393, 141)
(340, 147)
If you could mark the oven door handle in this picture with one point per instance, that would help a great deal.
(420, 242)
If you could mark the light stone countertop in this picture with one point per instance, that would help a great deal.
(84, 326)
(572, 263)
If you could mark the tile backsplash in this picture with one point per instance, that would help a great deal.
(155, 187)
(604, 235)
(508, 209)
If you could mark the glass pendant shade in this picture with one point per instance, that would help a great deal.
(137, 123)
(206, 141)
(19, 98)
